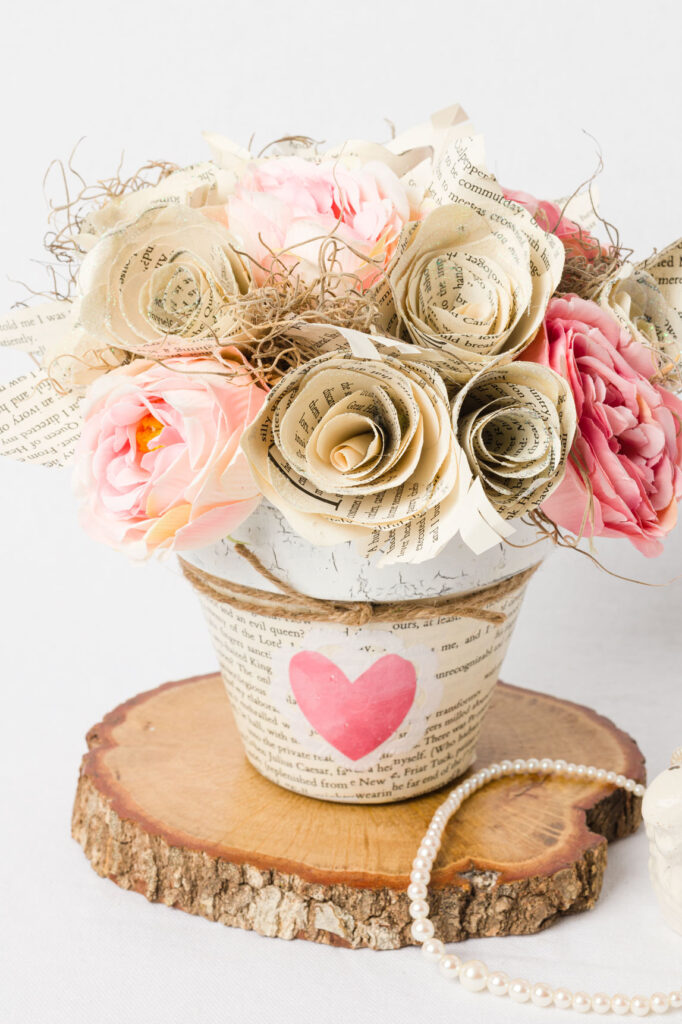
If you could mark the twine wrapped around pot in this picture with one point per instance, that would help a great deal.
(291, 604)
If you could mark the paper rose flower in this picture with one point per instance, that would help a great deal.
(516, 423)
(629, 440)
(161, 284)
(467, 282)
(635, 299)
(287, 206)
(361, 446)
(158, 465)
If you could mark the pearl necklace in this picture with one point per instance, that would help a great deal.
(473, 974)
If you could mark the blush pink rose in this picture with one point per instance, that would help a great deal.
(547, 214)
(629, 439)
(285, 205)
(158, 465)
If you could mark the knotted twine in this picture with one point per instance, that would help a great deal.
(289, 603)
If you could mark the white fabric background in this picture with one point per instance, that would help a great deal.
(83, 630)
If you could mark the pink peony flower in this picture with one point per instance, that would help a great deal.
(629, 439)
(576, 240)
(287, 204)
(158, 465)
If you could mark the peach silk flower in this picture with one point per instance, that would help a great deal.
(576, 240)
(287, 206)
(629, 439)
(158, 465)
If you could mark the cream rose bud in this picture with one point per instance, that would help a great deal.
(516, 427)
(361, 447)
(161, 285)
(466, 280)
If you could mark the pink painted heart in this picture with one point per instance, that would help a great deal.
(354, 717)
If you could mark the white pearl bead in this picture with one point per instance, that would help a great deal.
(630, 786)
(639, 789)
(433, 949)
(485, 774)
(660, 1003)
(570, 769)
(581, 771)
(639, 1006)
(506, 767)
(495, 770)
(611, 778)
(449, 966)
(419, 908)
(582, 1002)
(426, 854)
(519, 990)
(675, 1000)
(541, 994)
(560, 766)
(546, 765)
(428, 842)
(473, 975)
(620, 1004)
(519, 766)
(601, 1003)
(498, 983)
(620, 782)
(421, 863)
(416, 891)
(591, 773)
(563, 999)
(420, 875)
(422, 929)
(532, 766)
(601, 775)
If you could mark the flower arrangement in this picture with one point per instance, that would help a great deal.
(381, 340)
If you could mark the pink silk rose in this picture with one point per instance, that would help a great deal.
(158, 465)
(576, 240)
(288, 205)
(629, 439)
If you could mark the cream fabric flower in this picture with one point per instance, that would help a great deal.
(162, 284)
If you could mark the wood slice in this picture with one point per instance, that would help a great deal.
(168, 805)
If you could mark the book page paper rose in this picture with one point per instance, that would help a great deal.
(162, 284)
(475, 276)
(516, 426)
(360, 445)
(647, 301)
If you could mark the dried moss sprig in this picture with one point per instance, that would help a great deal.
(78, 200)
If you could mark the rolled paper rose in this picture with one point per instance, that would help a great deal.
(624, 474)
(577, 241)
(158, 466)
(650, 312)
(466, 281)
(358, 444)
(289, 205)
(162, 284)
(516, 423)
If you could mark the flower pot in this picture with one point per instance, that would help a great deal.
(358, 713)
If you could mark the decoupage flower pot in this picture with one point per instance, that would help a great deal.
(367, 713)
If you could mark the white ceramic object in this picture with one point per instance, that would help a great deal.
(359, 714)
(662, 810)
